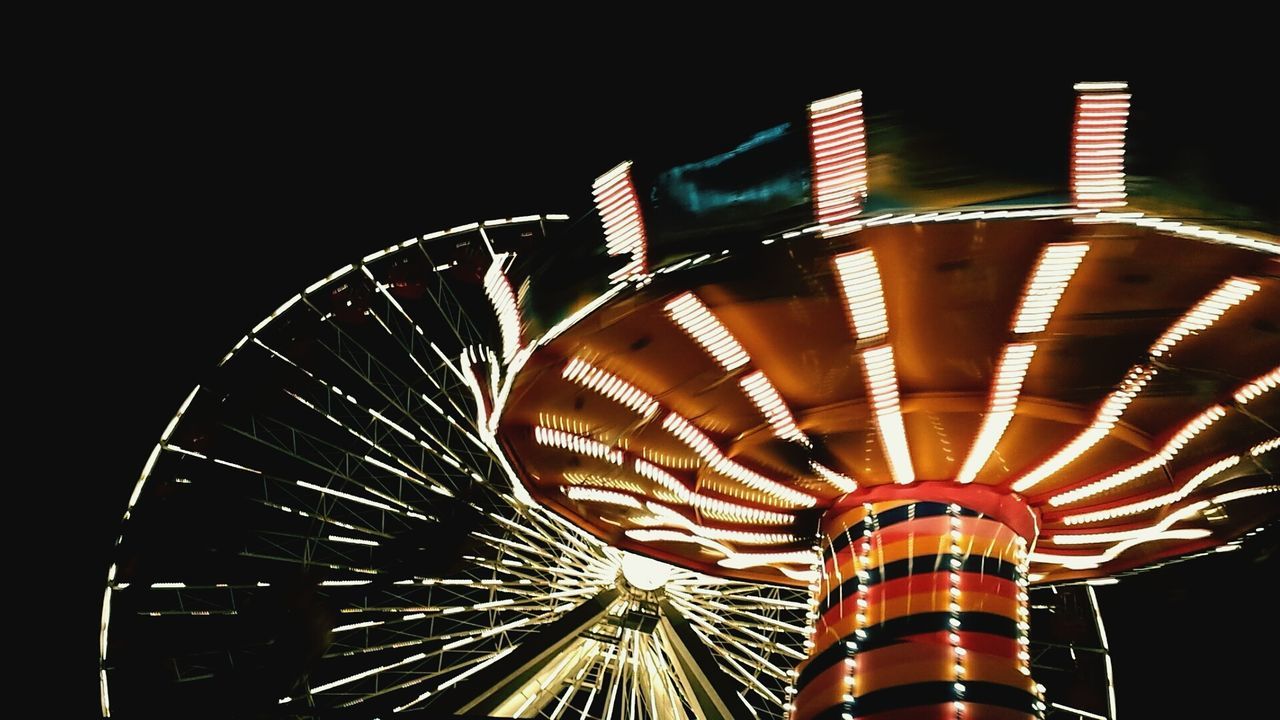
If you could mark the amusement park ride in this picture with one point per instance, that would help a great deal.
(745, 445)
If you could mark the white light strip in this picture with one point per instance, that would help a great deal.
(1078, 711)
(1054, 270)
(1097, 145)
(576, 443)
(498, 288)
(1200, 317)
(1004, 399)
(695, 319)
(353, 541)
(714, 507)
(863, 294)
(1106, 418)
(1246, 493)
(1161, 501)
(611, 386)
(838, 143)
(345, 496)
(739, 561)
(1166, 453)
(619, 209)
(1183, 514)
(770, 404)
(608, 483)
(1207, 312)
(1264, 446)
(1087, 562)
(843, 483)
(1190, 231)
(707, 450)
(1258, 386)
(1138, 534)
(668, 481)
(882, 389)
(608, 497)
(677, 536)
(367, 673)
(357, 626)
(663, 515)
(1099, 86)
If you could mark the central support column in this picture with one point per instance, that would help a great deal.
(920, 611)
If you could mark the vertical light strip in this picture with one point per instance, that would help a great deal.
(713, 507)
(1105, 419)
(882, 389)
(1004, 399)
(1264, 446)
(1200, 318)
(1055, 268)
(706, 329)
(843, 483)
(1170, 449)
(704, 447)
(870, 524)
(953, 606)
(1150, 464)
(838, 143)
(863, 294)
(619, 209)
(1097, 145)
(576, 443)
(1207, 312)
(498, 288)
(864, 299)
(770, 404)
(1258, 386)
(1057, 265)
(1156, 502)
(611, 386)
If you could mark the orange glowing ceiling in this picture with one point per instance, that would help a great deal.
(721, 423)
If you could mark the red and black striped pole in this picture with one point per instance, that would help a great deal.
(920, 610)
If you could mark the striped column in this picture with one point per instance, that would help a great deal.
(921, 612)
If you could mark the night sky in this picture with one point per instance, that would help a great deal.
(220, 188)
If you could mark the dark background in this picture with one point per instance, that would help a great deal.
(215, 188)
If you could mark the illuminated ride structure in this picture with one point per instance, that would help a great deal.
(847, 464)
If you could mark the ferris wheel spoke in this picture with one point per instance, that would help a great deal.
(457, 636)
(733, 651)
(589, 656)
(412, 413)
(450, 308)
(343, 410)
(710, 618)
(334, 404)
(284, 439)
(324, 519)
(436, 378)
(737, 671)
(533, 532)
(357, 360)
(748, 611)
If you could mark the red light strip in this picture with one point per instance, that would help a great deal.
(619, 208)
(838, 144)
(1097, 145)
